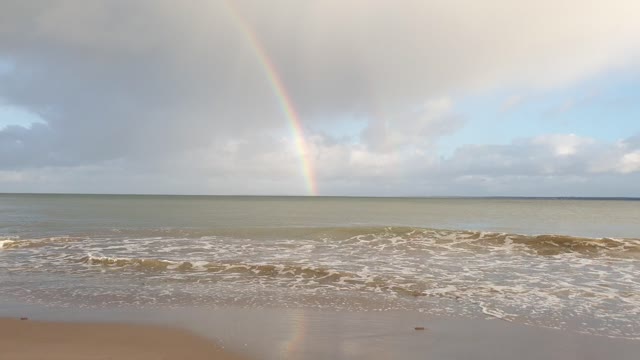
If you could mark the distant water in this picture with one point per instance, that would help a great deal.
(563, 263)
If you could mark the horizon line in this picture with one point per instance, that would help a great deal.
(548, 197)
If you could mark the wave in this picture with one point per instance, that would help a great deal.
(383, 237)
(559, 244)
(17, 243)
(303, 275)
(145, 264)
(6, 243)
(546, 245)
(228, 267)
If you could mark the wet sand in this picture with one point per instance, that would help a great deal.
(292, 334)
(27, 339)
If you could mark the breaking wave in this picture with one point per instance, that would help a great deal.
(384, 237)
(304, 275)
(546, 245)
(17, 243)
(537, 279)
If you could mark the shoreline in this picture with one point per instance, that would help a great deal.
(230, 333)
(29, 339)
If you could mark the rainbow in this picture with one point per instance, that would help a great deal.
(283, 98)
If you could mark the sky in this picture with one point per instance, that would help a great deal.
(287, 97)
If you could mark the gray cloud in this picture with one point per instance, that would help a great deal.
(555, 165)
(418, 128)
(552, 165)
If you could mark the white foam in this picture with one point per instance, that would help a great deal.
(4, 243)
(496, 313)
(443, 290)
(457, 273)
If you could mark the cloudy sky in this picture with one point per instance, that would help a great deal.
(412, 97)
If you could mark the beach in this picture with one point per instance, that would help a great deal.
(289, 334)
(31, 340)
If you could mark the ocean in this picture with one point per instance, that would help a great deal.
(571, 264)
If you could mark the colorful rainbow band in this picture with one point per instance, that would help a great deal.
(283, 98)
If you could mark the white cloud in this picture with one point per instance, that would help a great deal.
(11, 176)
(563, 145)
(525, 167)
(629, 162)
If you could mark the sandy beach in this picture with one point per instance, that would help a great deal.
(293, 334)
(27, 339)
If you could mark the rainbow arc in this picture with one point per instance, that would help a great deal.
(283, 97)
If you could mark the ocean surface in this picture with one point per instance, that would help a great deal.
(569, 264)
